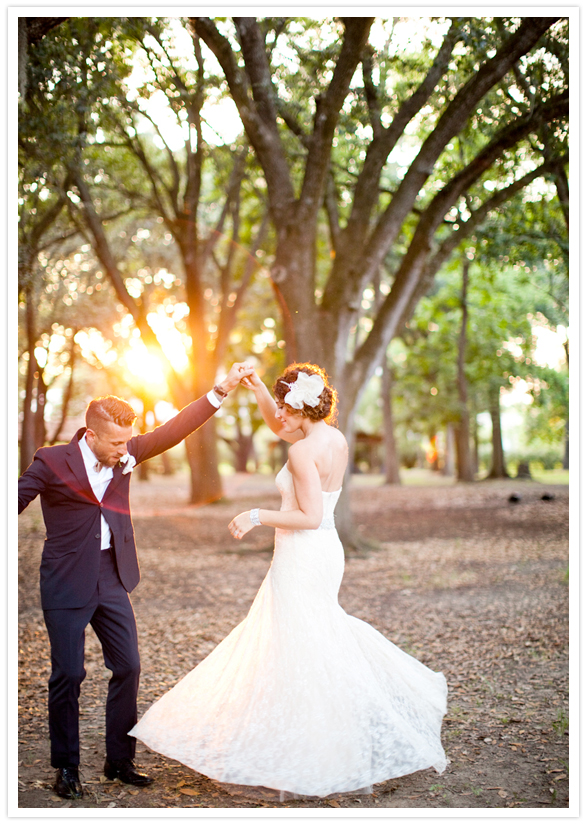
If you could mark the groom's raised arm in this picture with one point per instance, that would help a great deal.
(190, 418)
(162, 438)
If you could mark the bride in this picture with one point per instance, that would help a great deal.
(301, 697)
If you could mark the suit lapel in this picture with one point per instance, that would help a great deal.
(115, 480)
(76, 464)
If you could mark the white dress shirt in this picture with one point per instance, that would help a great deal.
(99, 482)
(214, 400)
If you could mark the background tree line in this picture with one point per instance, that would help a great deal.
(379, 170)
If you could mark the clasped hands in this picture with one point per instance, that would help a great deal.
(238, 372)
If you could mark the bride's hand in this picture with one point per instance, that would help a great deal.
(241, 524)
(236, 373)
(252, 381)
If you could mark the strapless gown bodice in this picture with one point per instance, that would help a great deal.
(285, 485)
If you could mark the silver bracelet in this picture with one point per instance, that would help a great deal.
(255, 517)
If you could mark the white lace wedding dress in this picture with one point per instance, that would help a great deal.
(300, 696)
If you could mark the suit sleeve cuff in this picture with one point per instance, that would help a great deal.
(213, 399)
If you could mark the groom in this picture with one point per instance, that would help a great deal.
(89, 566)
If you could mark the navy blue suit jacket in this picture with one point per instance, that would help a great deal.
(70, 563)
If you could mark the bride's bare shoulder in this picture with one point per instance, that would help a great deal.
(337, 437)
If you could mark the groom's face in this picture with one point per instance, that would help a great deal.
(108, 442)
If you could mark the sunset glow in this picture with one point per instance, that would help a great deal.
(144, 365)
(173, 342)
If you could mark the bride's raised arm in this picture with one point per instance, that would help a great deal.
(268, 408)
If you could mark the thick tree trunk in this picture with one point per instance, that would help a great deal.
(201, 446)
(345, 523)
(145, 466)
(202, 453)
(566, 453)
(463, 452)
(475, 428)
(28, 443)
(448, 468)
(498, 468)
(66, 399)
(40, 428)
(243, 449)
(27, 439)
(293, 279)
(167, 465)
(464, 463)
(562, 188)
(433, 458)
(391, 456)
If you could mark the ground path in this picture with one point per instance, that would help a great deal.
(466, 581)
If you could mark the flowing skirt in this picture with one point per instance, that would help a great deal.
(300, 696)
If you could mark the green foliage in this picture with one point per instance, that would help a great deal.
(548, 416)
(498, 345)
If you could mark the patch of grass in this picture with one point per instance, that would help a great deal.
(486, 685)
(561, 723)
(550, 476)
(476, 791)
(436, 788)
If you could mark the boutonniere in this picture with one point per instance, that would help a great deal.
(127, 461)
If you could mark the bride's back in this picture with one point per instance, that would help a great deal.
(330, 453)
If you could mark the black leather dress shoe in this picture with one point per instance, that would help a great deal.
(126, 771)
(67, 784)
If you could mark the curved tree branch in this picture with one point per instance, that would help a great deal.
(172, 192)
(371, 96)
(328, 107)
(451, 121)
(261, 130)
(477, 217)
(345, 278)
(417, 273)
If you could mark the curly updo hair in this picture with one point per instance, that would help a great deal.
(326, 407)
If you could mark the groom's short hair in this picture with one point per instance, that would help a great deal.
(109, 408)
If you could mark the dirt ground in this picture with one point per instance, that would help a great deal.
(469, 583)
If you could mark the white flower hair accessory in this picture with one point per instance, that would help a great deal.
(306, 389)
(127, 461)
